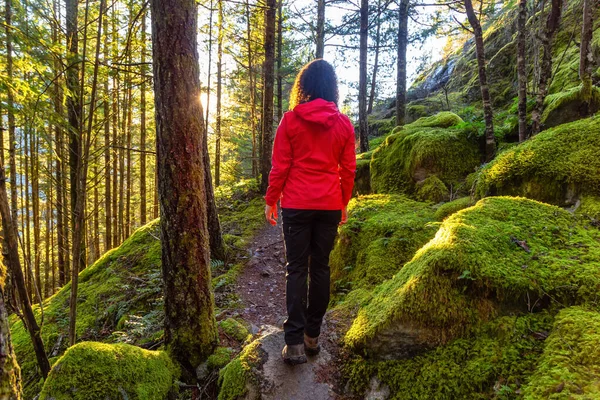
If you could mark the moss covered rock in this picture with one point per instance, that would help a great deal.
(569, 106)
(447, 209)
(502, 255)
(432, 189)
(362, 179)
(382, 233)
(92, 370)
(569, 367)
(556, 166)
(429, 146)
(234, 329)
(590, 208)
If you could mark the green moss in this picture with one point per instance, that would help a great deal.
(432, 189)
(555, 166)
(220, 357)
(416, 111)
(447, 209)
(590, 207)
(419, 150)
(569, 367)
(381, 127)
(494, 363)
(382, 233)
(235, 376)
(564, 107)
(92, 370)
(234, 329)
(362, 180)
(500, 255)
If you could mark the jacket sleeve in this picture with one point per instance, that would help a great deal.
(281, 160)
(348, 166)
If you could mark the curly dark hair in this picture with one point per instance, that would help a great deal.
(316, 80)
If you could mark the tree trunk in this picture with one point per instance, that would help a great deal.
(547, 39)
(10, 373)
(30, 277)
(35, 200)
(320, 29)
(10, 102)
(376, 61)
(267, 106)
(143, 201)
(490, 142)
(252, 90)
(363, 125)
(279, 61)
(219, 89)
(586, 57)
(215, 237)
(48, 288)
(107, 150)
(401, 66)
(522, 69)
(14, 263)
(210, 37)
(190, 328)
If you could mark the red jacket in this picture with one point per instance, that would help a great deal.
(313, 160)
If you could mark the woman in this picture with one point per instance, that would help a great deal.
(313, 167)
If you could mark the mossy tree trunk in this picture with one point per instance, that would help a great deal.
(10, 373)
(10, 110)
(545, 74)
(190, 328)
(363, 125)
(401, 68)
(490, 142)
(268, 89)
(320, 36)
(522, 69)
(14, 263)
(586, 57)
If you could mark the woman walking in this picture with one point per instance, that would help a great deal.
(313, 165)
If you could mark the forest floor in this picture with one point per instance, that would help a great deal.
(261, 288)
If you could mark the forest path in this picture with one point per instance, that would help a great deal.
(261, 288)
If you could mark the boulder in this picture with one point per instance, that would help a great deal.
(92, 370)
(500, 257)
(569, 106)
(556, 166)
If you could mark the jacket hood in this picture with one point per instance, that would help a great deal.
(319, 111)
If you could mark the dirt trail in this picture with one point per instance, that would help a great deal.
(261, 288)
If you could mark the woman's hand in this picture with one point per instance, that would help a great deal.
(271, 214)
(344, 216)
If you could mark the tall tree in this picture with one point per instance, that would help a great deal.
(252, 90)
(220, 36)
(376, 61)
(143, 200)
(190, 328)
(268, 86)
(586, 57)
(490, 142)
(10, 110)
(363, 124)
(10, 373)
(401, 63)
(279, 60)
(320, 37)
(545, 74)
(108, 244)
(14, 263)
(522, 69)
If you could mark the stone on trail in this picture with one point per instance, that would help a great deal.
(259, 373)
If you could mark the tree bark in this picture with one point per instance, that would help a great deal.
(320, 39)
(586, 55)
(401, 66)
(490, 142)
(219, 89)
(522, 69)
(267, 106)
(547, 39)
(190, 328)
(14, 263)
(363, 124)
(10, 373)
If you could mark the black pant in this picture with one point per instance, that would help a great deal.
(309, 237)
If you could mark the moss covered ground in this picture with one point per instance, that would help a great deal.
(555, 166)
(99, 371)
(429, 146)
(502, 255)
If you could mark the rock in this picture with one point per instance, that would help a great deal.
(259, 373)
(569, 106)
(377, 390)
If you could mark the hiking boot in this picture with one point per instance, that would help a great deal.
(311, 345)
(294, 354)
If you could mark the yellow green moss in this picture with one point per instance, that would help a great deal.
(220, 357)
(564, 107)
(590, 207)
(447, 209)
(432, 189)
(382, 233)
(421, 149)
(234, 329)
(501, 254)
(569, 367)
(92, 370)
(233, 378)
(555, 166)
